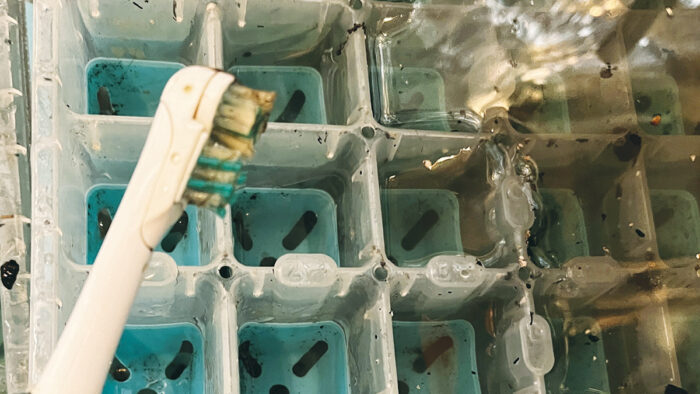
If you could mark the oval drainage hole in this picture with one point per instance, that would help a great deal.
(279, 389)
(300, 231)
(176, 233)
(403, 387)
(426, 222)
(291, 111)
(119, 371)
(268, 261)
(182, 360)
(431, 353)
(246, 359)
(310, 358)
(242, 232)
(147, 391)
(104, 220)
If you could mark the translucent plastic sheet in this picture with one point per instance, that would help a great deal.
(515, 189)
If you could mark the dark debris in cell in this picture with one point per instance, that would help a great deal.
(355, 27)
(607, 71)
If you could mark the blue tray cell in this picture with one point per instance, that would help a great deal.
(292, 358)
(420, 223)
(166, 358)
(268, 223)
(181, 242)
(436, 357)
(299, 91)
(126, 87)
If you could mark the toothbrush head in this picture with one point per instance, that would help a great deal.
(240, 118)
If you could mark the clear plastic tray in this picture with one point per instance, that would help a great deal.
(479, 284)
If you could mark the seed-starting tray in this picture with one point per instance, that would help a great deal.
(400, 261)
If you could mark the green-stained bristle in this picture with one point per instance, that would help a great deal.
(240, 118)
(224, 165)
(223, 189)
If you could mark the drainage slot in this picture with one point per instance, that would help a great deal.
(176, 233)
(420, 229)
(300, 231)
(242, 232)
(181, 361)
(250, 364)
(293, 108)
(104, 220)
(310, 358)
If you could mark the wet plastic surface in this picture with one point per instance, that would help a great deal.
(461, 233)
(299, 91)
(436, 357)
(268, 223)
(162, 358)
(292, 358)
(181, 241)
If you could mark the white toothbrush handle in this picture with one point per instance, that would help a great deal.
(89, 340)
(152, 203)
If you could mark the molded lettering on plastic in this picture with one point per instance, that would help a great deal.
(458, 271)
(307, 270)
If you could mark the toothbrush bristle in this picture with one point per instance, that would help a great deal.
(241, 117)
